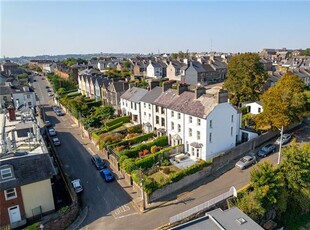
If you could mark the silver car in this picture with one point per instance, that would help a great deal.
(246, 161)
(285, 139)
(77, 185)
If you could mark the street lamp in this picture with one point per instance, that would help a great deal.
(280, 146)
(142, 190)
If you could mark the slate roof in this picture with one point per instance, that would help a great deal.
(28, 169)
(120, 86)
(152, 95)
(5, 90)
(198, 66)
(134, 94)
(186, 103)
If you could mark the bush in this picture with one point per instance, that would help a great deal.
(118, 120)
(135, 129)
(93, 104)
(129, 165)
(143, 153)
(155, 149)
(166, 170)
(134, 140)
(131, 135)
(119, 148)
(110, 128)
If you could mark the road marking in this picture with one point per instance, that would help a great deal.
(98, 188)
(91, 151)
(131, 214)
(122, 209)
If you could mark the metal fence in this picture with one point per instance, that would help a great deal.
(232, 192)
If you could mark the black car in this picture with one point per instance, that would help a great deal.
(266, 150)
(98, 162)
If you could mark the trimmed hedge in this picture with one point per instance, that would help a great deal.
(134, 140)
(117, 120)
(95, 136)
(149, 160)
(108, 129)
(93, 104)
(133, 153)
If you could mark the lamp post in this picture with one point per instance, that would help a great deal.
(142, 190)
(280, 146)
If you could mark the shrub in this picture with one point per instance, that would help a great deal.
(134, 140)
(131, 135)
(166, 170)
(118, 120)
(129, 165)
(165, 162)
(155, 149)
(143, 153)
(121, 159)
(119, 148)
(110, 128)
(93, 104)
(135, 129)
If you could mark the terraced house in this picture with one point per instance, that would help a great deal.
(201, 118)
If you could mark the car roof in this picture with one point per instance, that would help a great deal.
(56, 139)
(268, 145)
(286, 135)
(106, 171)
(247, 157)
(76, 182)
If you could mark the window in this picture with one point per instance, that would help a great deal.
(135, 106)
(149, 116)
(162, 121)
(190, 119)
(198, 122)
(179, 115)
(198, 135)
(144, 113)
(172, 114)
(211, 125)
(172, 125)
(210, 137)
(197, 155)
(179, 128)
(10, 194)
(162, 111)
(157, 119)
(144, 105)
(156, 109)
(149, 106)
(28, 96)
(131, 105)
(190, 131)
(232, 118)
(231, 131)
(6, 173)
(259, 110)
(193, 151)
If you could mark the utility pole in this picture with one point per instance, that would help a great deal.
(80, 124)
(142, 190)
(280, 146)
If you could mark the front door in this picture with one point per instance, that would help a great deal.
(14, 214)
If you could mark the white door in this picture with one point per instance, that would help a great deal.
(14, 214)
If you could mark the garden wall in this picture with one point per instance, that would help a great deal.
(171, 188)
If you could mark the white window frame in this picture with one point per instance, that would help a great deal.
(172, 114)
(198, 122)
(198, 135)
(10, 192)
(179, 128)
(190, 132)
(190, 119)
(179, 115)
(7, 177)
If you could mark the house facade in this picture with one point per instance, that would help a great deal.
(111, 95)
(131, 103)
(154, 70)
(23, 95)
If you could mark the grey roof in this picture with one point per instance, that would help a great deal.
(198, 66)
(28, 169)
(134, 94)
(152, 95)
(228, 219)
(186, 102)
(5, 90)
(120, 86)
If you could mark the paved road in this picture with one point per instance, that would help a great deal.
(109, 205)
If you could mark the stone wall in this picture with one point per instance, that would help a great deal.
(171, 188)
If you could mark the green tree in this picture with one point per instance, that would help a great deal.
(245, 78)
(283, 104)
(296, 169)
(306, 52)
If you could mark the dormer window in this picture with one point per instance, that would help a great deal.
(6, 173)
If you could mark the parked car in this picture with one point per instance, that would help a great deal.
(56, 141)
(50, 94)
(98, 162)
(106, 175)
(60, 113)
(55, 108)
(77, 185)
(48, 123)
(246, 161)
(43, 78)
(266, 150)
(285, 139)
(52, 132)
(49, 90)
(47, 87)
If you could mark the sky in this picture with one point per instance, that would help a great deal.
(31, 28)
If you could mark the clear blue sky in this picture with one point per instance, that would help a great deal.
(61, 27)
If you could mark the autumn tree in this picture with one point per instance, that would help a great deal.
(283, 104)
(296, 169)
(245, 78)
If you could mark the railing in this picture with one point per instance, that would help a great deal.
(232, 192)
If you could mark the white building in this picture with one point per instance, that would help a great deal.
(254, 107)
(130, 103)
(154, 70)
(23, 96)
(201, 120)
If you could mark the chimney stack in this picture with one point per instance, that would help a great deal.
(222, 96)
(153, 84)
(12, 115)
(199, 91)
(182, 88)
(166, 85)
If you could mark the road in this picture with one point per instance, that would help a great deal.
(109, 205)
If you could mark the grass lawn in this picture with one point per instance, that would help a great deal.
(161, 177)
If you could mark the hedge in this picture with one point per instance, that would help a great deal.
(94, 136)
(93, 104)
(108, 129)
(117, 120)
(134, 140)
(71, 92)
(133, 153)
(149, 160)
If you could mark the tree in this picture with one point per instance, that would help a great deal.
(283, 104)
(245, 78)
(296, 169)
(306, 52)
